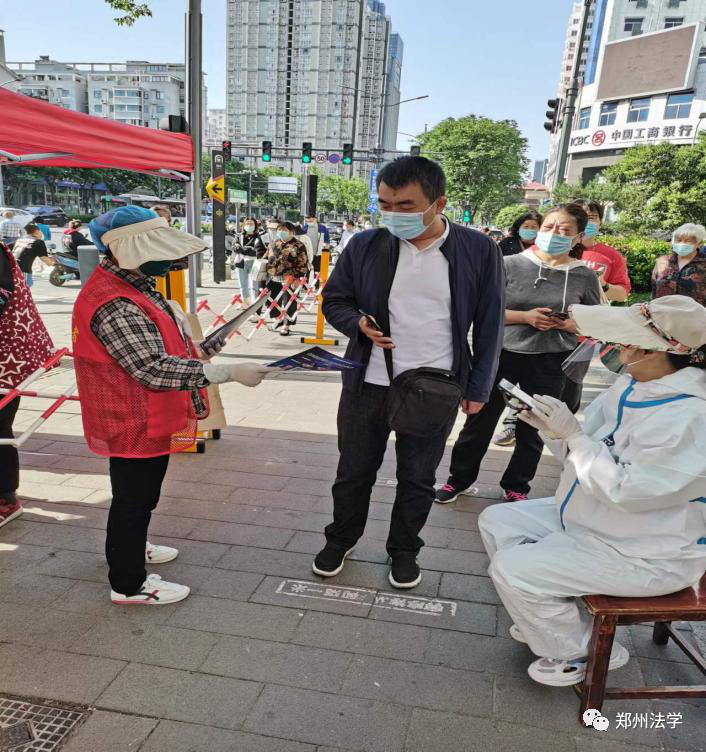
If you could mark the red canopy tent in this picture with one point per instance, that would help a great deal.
(46, 135)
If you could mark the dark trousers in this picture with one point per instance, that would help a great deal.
(275, 289)
(9, 458)
(136, 485)
(572, 394)
(362, 439)
(534, 374)
(316, 264)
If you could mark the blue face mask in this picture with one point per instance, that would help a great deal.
(283, 235)
(405, 225)
(683, 249)
(591, 230)
(553, 244)
(527, 235)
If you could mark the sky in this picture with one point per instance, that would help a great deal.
(498, 58)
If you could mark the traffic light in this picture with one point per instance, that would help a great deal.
(267, 151)
(415, 151)
(226, 151)
(306, 152)
(347, 154)
(552, 115)
(467, 215)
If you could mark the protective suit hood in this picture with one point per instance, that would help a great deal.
(686, 381)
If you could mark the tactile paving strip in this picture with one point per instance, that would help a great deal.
(52, 724)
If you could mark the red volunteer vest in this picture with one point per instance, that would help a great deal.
(25, 344)
(121, 417)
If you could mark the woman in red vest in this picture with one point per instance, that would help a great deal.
(25, 346)
(142, 383)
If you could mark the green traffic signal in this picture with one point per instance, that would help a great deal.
(306, 152)
(347, 154)
(467, 216)
(267, 151)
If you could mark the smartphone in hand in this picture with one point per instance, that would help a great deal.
(370, 320)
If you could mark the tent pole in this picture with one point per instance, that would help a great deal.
(194, 113)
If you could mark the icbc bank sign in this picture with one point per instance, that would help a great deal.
(579, 143)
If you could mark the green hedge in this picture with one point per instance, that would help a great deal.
(641, 254)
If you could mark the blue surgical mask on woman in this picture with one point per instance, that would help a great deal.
(683, 249)
(527, 235)
(405, 225)
(283, 235)
(591, 230)
(554, 244)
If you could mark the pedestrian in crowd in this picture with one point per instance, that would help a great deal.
(346, 235)
(542, 282)
(73, 238)
(162, 210)
(141, 382)
(28, 248)
(251, 246)
(522, 234)
(25, 346)
(46, 231)
(626, 519)
(486, 231)
(288, 263)
(271, 236)
(683, 272)
(320, 239)
(439, 281)
(609, 262)
(10, 229)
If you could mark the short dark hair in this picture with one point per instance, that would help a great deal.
(405, 170)
(289, 225)
(575, 210)
(590, 206)
(536, 216)
(684, 361)
(75, 224)
(31, 227)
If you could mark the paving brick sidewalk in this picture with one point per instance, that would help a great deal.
(264, 657)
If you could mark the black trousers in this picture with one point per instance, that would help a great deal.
(275, 289)
(316, 263)
(136, 486)
(9, 458)
(362, 439)
(534, 374)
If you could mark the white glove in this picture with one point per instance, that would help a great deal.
(206, 351)
(559, 422)
(247, 374)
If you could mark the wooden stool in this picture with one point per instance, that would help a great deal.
(609, 612)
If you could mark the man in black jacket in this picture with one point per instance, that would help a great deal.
(447, 280)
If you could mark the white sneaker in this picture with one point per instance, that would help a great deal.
(159, 554)
(557, 672)
(154, 592)
(516, 634)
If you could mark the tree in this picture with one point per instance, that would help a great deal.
(659, 187)
(342, 195)
(132, 10)
(484, 161)
(505, 217)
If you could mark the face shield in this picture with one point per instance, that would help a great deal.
(576, 366)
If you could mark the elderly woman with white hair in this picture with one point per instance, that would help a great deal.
(683, 272)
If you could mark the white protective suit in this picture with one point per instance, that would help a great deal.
(628, 518)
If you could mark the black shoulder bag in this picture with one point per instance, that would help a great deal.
(421, 401)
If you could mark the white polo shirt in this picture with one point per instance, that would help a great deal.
(420, 313)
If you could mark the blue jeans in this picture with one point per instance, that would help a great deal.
(248, 287)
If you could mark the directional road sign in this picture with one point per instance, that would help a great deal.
(216, 188)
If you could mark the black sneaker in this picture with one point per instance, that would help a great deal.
(404, 572)
(449, 492)
(330, 560)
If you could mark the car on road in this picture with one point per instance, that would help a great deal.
(22, 216)
(48, 215)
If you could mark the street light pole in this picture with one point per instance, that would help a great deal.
(193, 108)
(571, 94)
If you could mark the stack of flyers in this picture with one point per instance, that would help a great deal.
(315, 359)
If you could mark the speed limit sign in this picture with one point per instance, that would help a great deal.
(320, 158)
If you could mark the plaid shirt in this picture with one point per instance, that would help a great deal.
(133, 339)
(10, 230)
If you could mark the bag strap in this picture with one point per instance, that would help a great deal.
(385, 275)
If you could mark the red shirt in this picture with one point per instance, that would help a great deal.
(616, 268)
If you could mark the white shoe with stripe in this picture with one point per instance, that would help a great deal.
(154, 592)
(159, 554)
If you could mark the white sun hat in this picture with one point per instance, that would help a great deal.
(673, 323)
(136, 235)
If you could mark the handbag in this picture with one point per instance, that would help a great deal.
(259, 270)
(421, 401)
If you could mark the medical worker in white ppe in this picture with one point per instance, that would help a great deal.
(629, 516)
